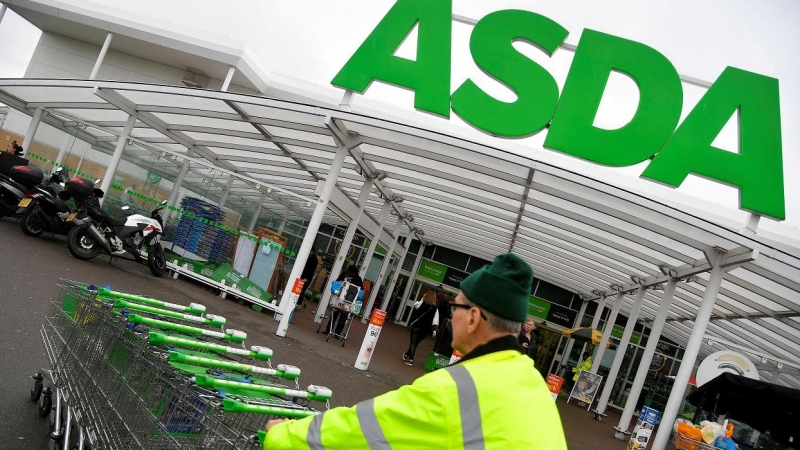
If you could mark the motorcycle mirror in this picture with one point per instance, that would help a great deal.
(98, 193)
(125, 208)
(63, 185)
(163, 203)
(98, 181)
(58, 170)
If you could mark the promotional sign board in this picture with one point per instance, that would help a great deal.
(559, 315)
(554, 383)
(586, 387)
(370, 339)
(538, 307)
(648, 418)
(432, 271)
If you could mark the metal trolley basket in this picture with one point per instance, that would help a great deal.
(121, 380)
(346, 299)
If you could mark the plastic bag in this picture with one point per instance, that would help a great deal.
(336, 287)
(688, 430)
(724, 443)
(679, 420)
(710, 431)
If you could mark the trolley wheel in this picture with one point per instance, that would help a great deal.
(46, 403)
(328, 339)
(343, 341)
(36, 392)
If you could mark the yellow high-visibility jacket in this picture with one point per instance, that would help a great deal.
(585, 365)
(496, 400)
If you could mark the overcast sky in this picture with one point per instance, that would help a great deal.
(311, 41)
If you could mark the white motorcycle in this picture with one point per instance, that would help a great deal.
(95, 231)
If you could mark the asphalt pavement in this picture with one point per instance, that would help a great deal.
(30, 269)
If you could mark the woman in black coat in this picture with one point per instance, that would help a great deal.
(424, 321)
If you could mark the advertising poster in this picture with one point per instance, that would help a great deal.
(554, 383)
(586, 387)
(370, 339)
(648, 418)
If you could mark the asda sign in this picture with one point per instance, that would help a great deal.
(653, 132)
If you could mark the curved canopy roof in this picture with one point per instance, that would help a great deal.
(577, 232)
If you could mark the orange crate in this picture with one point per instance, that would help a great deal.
(684, 443)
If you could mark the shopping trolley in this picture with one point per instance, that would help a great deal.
(121, 380)
(346, 299)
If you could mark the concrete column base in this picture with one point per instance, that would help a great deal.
(621, 434)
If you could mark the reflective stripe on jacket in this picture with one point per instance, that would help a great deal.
(495, 401)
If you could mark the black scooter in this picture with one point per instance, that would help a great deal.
(13, 188)
(42, 210)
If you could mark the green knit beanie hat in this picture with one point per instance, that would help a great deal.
(502, 288)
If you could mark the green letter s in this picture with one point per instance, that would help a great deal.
(757, 170)
(537, 91)
(660, 99)
(428, 76)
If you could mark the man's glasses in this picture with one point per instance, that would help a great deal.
(454, 305)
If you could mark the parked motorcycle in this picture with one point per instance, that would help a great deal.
(42, 210)
(16, 186)
(95, 232)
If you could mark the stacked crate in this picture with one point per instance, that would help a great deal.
(201, 232)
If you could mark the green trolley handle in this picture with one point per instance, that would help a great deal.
(316, 393)
(234, 336)
(209, 319)
(235, 406)
(255, 352)
(284, 371)
(194, 308)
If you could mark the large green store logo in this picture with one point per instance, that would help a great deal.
(653, 132)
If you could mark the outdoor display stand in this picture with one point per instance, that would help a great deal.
(346, 299)
(586, 387)
(130, 372)
(648, 418)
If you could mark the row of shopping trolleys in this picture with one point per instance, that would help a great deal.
(130, 372)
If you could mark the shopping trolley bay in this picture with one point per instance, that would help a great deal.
(122, 360)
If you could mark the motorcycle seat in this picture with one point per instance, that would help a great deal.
(116, 221)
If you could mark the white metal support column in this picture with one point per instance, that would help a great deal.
(387, 295)
(612, 317)
(623, 345)
(384, 267)
(176, 187)
(226, 192)
(598, 312)
(257, 213)
(411, 280)
(228, 78)
(374, 242)
(647, 357)
(101, 57)
(112, 166)
(287, 305)
(69, 141)
(344, 249)
(283, 222)
(571, 342)
(715, 258)
(34, 125)
(2, 12)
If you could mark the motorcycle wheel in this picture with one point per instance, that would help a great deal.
(156, 260)
(30, 223)
(81, 243)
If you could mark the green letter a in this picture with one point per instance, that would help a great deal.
(757, 170)
(428, 76)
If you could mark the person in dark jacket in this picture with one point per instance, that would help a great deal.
(528, 337)
(424, 321)
(17, 149)
(307, 275)
(350, 275)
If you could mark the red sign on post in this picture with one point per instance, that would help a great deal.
(298, 286)
(378, 318)
(554, 383)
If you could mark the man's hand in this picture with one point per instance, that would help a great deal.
(434, 334)
(274, 422)
(524, 345)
